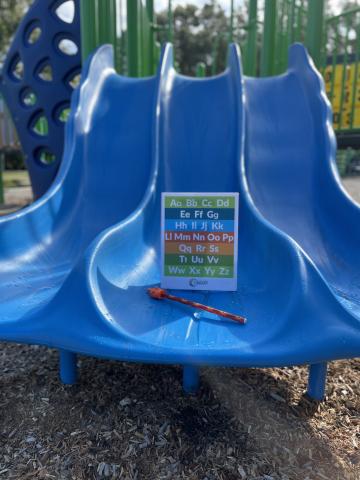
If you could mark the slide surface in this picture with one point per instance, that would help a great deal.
(75, 265)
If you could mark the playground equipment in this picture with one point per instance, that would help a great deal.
(37, 81)
(271, 28)
(43, 67)
(341, 70)
(76, 278)
(334, 44)
(269, 34)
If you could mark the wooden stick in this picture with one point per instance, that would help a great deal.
(160, 294)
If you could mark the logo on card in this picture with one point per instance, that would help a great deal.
(194, 282)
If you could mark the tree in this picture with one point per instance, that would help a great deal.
(343, 32)
(11, 12)
(200, 35)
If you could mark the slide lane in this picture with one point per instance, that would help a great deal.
(197, 144)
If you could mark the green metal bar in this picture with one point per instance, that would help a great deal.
(315, 21)
(215, 55)
(142, 42)
(287, 36)
(281, 48)
(98, 24)
(288, 31)
(250, 49)
(170, 23)
(200, 70)
(334, 60)
(113, 11)
(269, 39)
(102, 33)
(151, 36)
(157, 55)
(119, 56)
(299, 22)
(356, 73)
(133, 46)
(291, 31)
(88, 27)
(323, 52)
(122, 41)
(279, 13)
(106, 14)
(344, 72)
(231, 26)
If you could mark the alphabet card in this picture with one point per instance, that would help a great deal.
(199, 240)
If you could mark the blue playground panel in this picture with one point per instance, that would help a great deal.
(37, 81)
(76, 265)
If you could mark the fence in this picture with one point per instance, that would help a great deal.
(341, 71)
(273, 25)
(137, 51)
(270, 27)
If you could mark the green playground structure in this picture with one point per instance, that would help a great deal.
(265, 32)
(133, 39)
(270, 27)
(333, 42)
(340, 58)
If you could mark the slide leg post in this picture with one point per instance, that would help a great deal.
(190, 379)
(68, 367)
(317, 381)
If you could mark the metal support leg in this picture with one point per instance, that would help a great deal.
(68, 367)
(317, 381)
(190, 379)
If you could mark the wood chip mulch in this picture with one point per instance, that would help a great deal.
(133, 422)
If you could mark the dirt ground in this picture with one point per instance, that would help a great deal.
(133, 422)
(352, 185)
(128, 421)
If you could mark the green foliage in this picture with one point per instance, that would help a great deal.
(200, 35)
(14, 159)
(346, 5)
(11, 12)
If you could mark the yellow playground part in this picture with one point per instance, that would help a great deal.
(342, 85)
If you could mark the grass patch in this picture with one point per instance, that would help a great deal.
(16, 178)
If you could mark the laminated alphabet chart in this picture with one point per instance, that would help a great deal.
(199, 240)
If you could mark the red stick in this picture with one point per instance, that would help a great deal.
(160, 294)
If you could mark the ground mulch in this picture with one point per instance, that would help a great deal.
(131, 421)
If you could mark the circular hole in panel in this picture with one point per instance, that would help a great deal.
(73, 79)
(45, 156)
(16, 70)
(39, 125)
(28, 97)
(44, 71)
(62, 112)
(66, 11)
(67, 47)
(33, 33)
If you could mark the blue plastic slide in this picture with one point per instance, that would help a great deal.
(75, 266)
